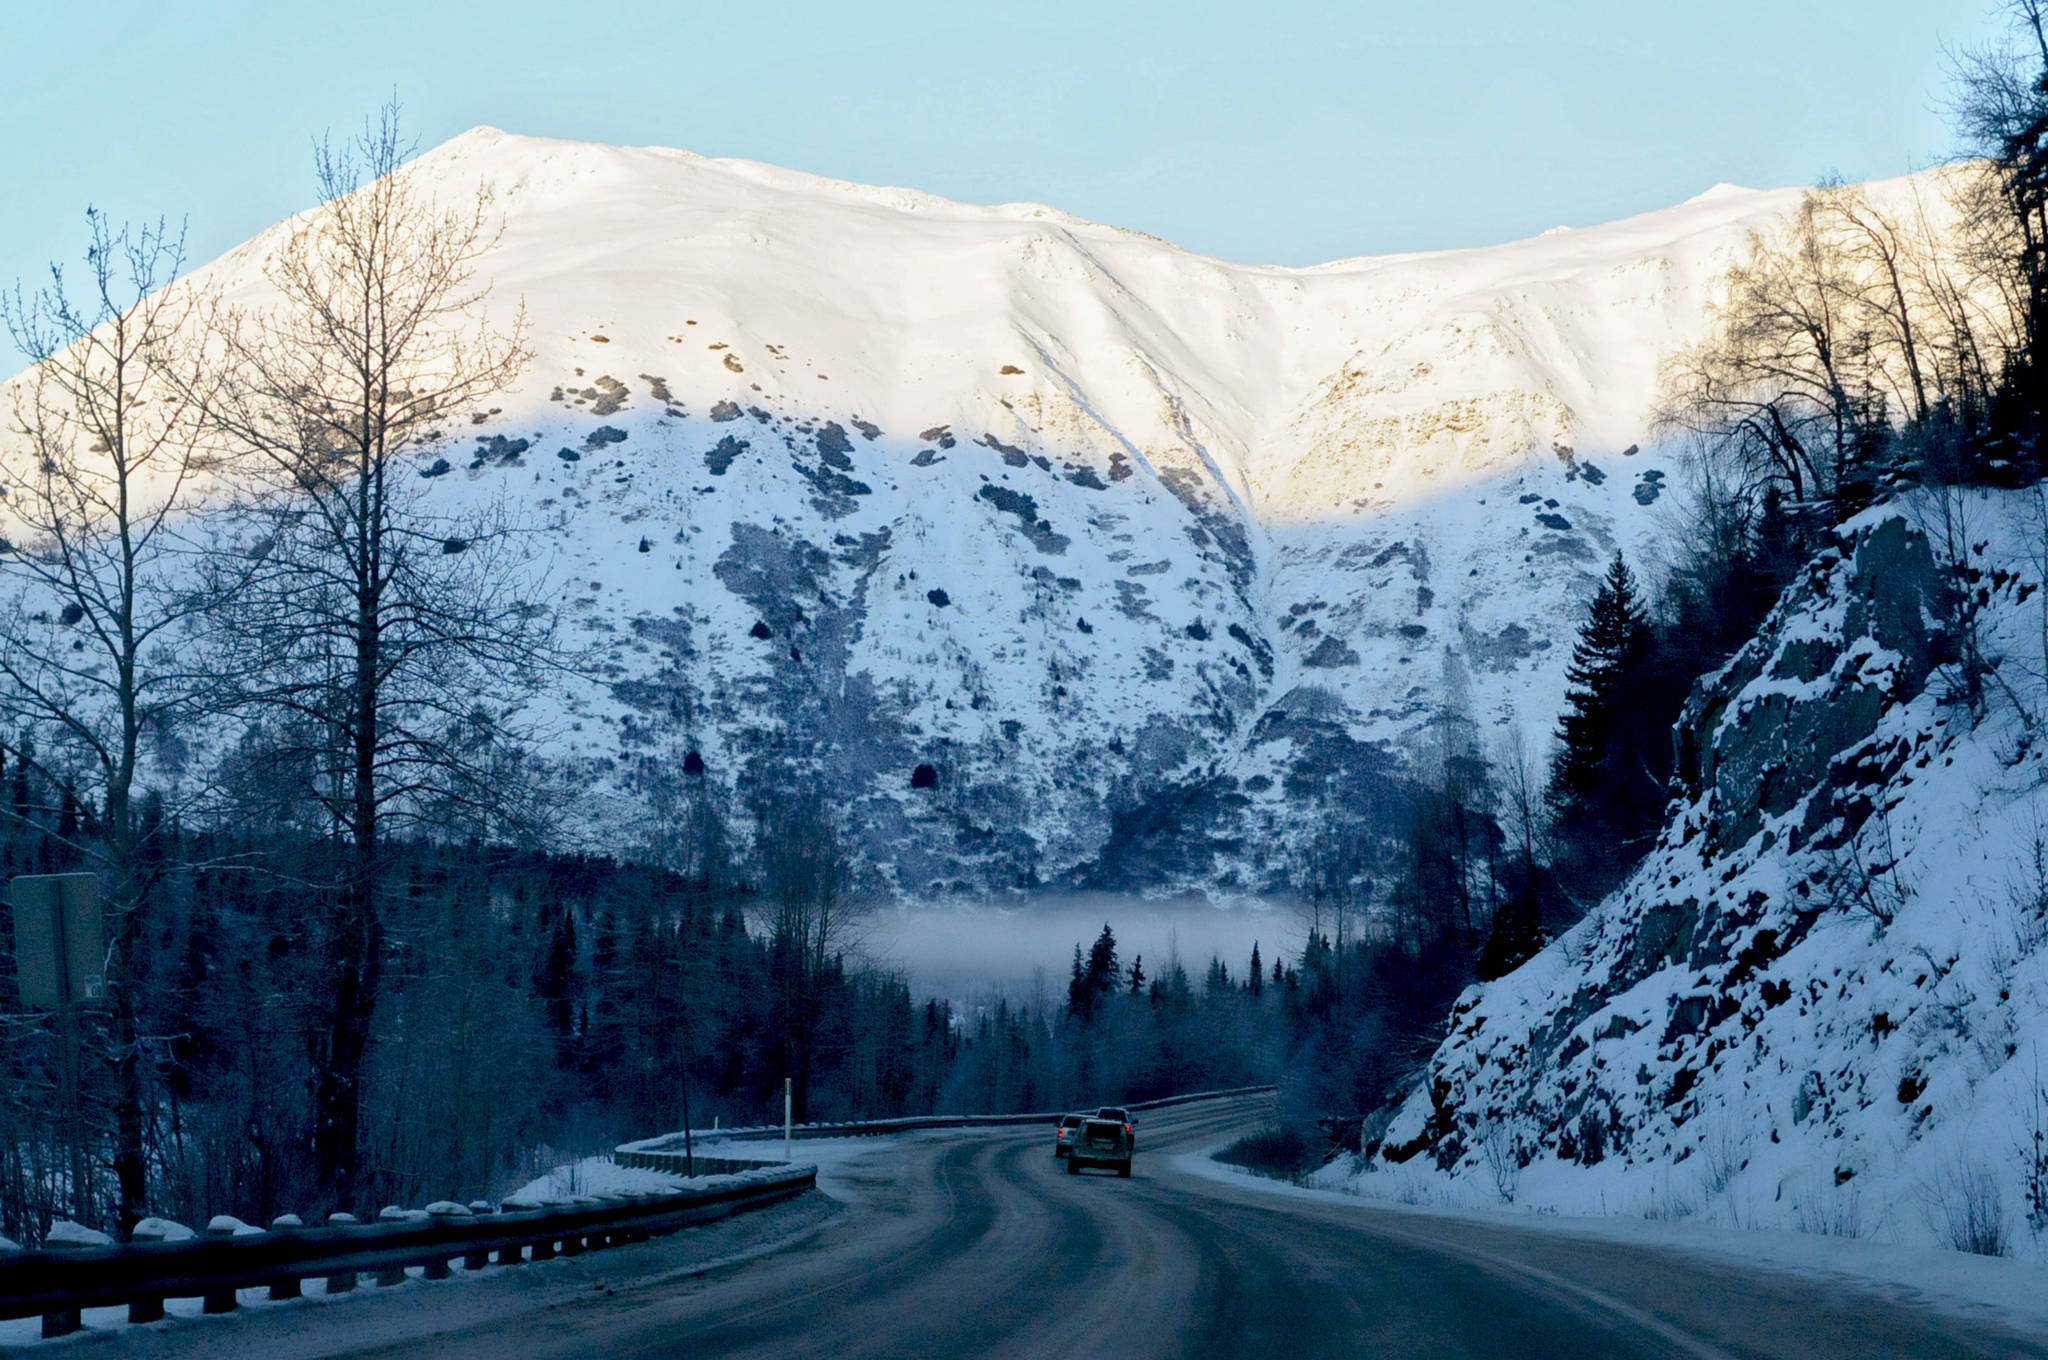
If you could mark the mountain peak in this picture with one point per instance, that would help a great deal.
(1721, 191)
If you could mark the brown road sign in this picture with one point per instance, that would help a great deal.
(58, 943)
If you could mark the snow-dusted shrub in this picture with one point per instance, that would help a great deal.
(1864, 877)
(1501, 1146)
(1965, 1205)
(1836, 1211)
(1723, 1153)
(2027, 896)
(1668, 1204)
(1281, 1152)
(2033, 1158)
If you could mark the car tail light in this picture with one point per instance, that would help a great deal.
(1127, 1128)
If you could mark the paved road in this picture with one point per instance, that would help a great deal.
(979, 1245)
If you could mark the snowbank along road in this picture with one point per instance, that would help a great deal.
(978, 1244)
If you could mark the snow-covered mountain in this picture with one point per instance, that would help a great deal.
(1820, 1002)
(1150, 558)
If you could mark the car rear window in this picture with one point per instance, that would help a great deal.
(1104, 1131)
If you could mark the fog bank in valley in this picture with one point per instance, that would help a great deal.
(974, 953)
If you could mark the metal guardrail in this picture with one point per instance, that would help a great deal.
(660, 1153)
(59, 1284)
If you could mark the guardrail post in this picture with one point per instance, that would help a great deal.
(286, 1286)
(514, 1255)
(608, 1236)
(446, 1211)
(628, 1235)
(152, 1230)
(65, 1321)
(391, 1275)
(219, 1300)
(345, 1281)
(477, 1260)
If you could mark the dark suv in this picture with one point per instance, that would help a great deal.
(1100, 1142)
(1123, 1117)
(1063, 1134)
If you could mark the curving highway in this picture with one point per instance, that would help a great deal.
(978, 1244)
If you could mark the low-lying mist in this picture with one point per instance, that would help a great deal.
(975, 953)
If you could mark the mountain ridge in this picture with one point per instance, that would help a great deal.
(1119, 540)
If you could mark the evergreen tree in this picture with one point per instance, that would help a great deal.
(1607, 777)
(1612, 644)
(1095, 978)
(1219, 976)
(1516, 936)
(1255, 980)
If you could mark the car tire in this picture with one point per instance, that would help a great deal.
(1124, 1171)
(1073, 1167)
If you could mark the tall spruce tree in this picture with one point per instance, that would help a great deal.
(1095, 979)
(1596, 788)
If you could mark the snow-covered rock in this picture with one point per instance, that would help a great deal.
(1055, 553)
(1820, 1002)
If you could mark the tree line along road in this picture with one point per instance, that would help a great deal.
(976, 1243)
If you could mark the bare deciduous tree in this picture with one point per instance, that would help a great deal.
(1771, 378)
(387, 642)
(1848, 323)
(110, 448)
(814, 917)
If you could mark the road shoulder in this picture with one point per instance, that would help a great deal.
(1989, 1291)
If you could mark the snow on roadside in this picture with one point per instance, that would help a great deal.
(593, 1176)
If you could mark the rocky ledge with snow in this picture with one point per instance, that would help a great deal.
(1819, 1003)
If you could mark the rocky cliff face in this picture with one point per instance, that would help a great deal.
(1818, 1002)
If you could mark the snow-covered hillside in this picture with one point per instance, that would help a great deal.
(1149, 557)
(1821, 1002)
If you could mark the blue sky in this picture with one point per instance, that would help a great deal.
(1275, 132)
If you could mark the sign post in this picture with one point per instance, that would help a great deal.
(60, 953)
